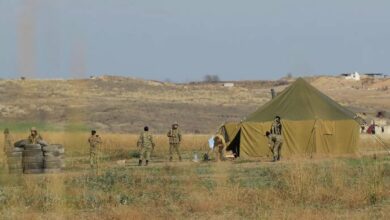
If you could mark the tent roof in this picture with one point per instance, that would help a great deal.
(301, 101)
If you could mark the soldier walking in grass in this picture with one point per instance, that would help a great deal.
(94, 144)
(275, 138)
(219, 147)
(275, 144)
(35, 137)
(175, 139)
(146, 144)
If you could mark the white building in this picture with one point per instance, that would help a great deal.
(228, 85)
(352, 76)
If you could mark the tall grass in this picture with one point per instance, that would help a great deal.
(355, 188)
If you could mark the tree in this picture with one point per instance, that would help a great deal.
(211, 78)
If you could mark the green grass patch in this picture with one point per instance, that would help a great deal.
(42, 126)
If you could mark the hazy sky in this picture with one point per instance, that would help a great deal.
(184, 40)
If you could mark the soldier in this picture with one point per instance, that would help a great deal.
(275, 144)
(94, 143)
(34, 137)
(175, 139)
(8, 141)
(219, 147)
(276, 127)
(146, 145)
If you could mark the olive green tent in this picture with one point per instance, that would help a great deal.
(312, 124)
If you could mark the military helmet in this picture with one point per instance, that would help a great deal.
(175, 123)
(33, 129)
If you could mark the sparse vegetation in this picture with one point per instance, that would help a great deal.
(324, 188)
(354, 188)
(120, 104)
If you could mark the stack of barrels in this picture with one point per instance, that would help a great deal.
(14, 159)
(53, 158)
(32, 158)
(36, 158)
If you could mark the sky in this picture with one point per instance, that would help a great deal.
(184, 40)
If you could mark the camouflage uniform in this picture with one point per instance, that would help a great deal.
(174, 142)
(146, 145)
(276, 128)
(94, 143)
(275, 143)
(35, 138)
(219, 147)
(275, 139)
(8, 142)
(8, 145)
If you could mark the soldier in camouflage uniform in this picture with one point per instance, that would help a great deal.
(8, 141)
(94, 142)
(146, 144)
(34, 137)
(275, 144)
(219, 147)
(175, 138)
(276, 127)
(275, 139)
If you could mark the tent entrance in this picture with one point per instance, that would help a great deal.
(234, 145)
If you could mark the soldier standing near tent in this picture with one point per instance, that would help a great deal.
(276, 127)
(175, 139)
(146, 145)
(219, 147)
(275, 138)
(275, 143)
(94, 143)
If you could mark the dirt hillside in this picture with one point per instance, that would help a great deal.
(122, 104)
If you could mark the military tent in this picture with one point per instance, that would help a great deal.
(312, 124)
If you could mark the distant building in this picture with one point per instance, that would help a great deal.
(352, 76)
(375, 75)
(230, 85)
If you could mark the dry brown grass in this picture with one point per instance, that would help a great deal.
(119, 104)
(355, 188)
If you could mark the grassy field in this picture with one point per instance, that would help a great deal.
(328, 188)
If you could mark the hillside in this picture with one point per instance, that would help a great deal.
(121, 104)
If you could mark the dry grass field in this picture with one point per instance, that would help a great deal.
(356, 187)
(120, 104)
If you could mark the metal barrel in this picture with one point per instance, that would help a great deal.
(14, 160)
(53, 158)
(32, 159)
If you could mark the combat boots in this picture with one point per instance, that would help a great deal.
(170, 159)
(147, 162)
(139, 162)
